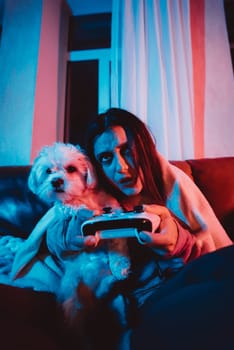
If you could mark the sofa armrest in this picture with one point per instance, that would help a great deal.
(214, 177)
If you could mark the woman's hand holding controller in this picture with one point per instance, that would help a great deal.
(165, 238)
(79, 241)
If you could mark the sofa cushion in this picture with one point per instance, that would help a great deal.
(20, 209)
(36, 313)
(215, 178)
(15, 334)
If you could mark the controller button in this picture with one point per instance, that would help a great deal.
(138, 209)
(107, 210)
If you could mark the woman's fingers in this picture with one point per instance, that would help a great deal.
(165, 239)
(160, 210)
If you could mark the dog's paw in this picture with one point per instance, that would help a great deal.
(120, 266)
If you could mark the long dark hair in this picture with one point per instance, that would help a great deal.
(145, 148)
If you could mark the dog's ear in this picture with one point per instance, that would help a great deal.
(36, 175)
(91, 178)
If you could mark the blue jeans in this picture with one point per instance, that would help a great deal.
(193, 310)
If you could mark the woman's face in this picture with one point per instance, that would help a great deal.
(112, 151)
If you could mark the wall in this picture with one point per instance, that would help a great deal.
(32, 83)
(48, 122)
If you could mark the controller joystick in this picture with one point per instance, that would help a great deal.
(138, 209)
(107, 210)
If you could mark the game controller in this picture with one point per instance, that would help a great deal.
(120, 224)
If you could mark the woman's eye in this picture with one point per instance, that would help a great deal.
(48, 171)
(71, 169)
(105, 158)
(126, 152)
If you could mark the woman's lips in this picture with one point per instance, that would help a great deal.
(127, 181)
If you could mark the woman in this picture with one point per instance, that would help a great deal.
(130, 168)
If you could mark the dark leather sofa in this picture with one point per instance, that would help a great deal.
(33, 320)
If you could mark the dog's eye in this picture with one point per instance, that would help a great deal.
(48, 171)
(71, 169)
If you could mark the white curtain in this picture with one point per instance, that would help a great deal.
(171, 66)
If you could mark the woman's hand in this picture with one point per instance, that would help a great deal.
(165, 239)
(79, 241)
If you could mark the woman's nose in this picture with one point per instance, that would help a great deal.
(122, 165)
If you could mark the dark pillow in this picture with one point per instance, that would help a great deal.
(20, 209)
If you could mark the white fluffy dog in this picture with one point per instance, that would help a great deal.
(63, 175)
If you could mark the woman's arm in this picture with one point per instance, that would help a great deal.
(64, 235)
(172, 239)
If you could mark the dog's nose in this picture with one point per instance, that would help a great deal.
(56, 183)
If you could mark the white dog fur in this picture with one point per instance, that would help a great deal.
(63, 174)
